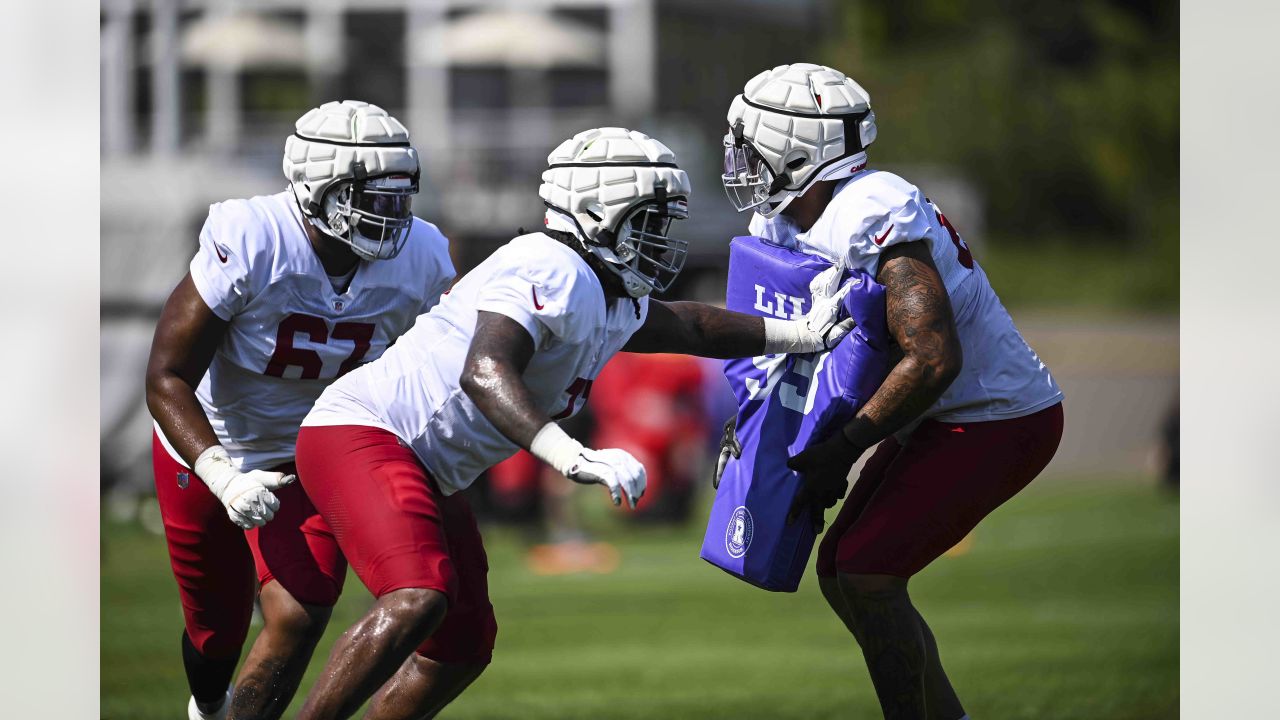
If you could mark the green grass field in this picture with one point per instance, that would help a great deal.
(1064, 606)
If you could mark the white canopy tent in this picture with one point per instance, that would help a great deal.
(516, 38)
(237, 41)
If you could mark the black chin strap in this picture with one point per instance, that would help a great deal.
(782, 180)
(358, 174)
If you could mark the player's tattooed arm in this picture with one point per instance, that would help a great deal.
(692, 328)
(186, 338)
(921, 320)
(492, 377)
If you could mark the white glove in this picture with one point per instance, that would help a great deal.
(821, 328)
(247, 496)
(615, 469)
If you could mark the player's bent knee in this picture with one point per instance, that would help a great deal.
(286, 615)
(466, 638)
(870, 584)
(448, 678)
(466, 672)
(423, 607)
(830, 588)
(469, 672)
(305, 585)
(319, 594)
(826, 562)
(302, 622)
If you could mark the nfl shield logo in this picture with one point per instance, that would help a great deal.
(184, 479)
(737, 534)
(338, 305)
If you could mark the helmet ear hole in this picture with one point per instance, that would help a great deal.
(796, 162)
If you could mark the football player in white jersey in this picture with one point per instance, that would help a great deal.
(512, 348)
(967, 417)
(286, 293)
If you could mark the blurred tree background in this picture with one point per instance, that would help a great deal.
(1064, 114)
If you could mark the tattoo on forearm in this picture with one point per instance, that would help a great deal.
(920, 319)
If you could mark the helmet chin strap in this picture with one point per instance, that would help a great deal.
(779, 184)
(775, 210)
(634, 287)
(852, 165)
(555, 220)
(609, 264)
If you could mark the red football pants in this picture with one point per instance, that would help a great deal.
(216, 563)
(399, 531)
(914, 502)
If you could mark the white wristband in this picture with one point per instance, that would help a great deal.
(215, 468)
(782, 336)
(553, 446)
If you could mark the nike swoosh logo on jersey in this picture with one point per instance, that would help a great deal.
(221, 255)
(536, 304)
(880, 240)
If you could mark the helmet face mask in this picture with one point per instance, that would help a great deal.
(747, 177)
(373, 216)
(644, 253)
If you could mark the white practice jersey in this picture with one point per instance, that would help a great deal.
(1002, 377)
(414, 390)
(290, 334)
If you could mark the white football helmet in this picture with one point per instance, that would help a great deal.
(354, 175)
(791, 127)
(617, 191)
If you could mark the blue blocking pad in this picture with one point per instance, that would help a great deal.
(786, 403)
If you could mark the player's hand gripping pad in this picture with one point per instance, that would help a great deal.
(785, 403)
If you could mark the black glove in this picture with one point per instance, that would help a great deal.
(729, 446)
(824, 468)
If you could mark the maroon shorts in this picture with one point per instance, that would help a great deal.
(399, 531)
(914, 502)
(298, 550)
(215, 562)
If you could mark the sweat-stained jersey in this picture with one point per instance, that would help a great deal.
(290, 333)
(414, 392)
(1002, 377)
